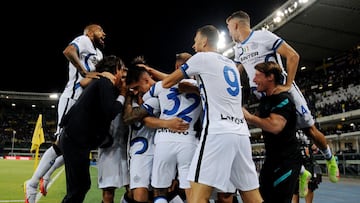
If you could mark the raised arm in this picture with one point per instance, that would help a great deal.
(156, 74)
(173, 78)
(292, 62)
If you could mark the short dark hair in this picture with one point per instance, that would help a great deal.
(138, 60)
(134, 73)
(269, 68)
(212, 34)
(110, 64)
(241, 15)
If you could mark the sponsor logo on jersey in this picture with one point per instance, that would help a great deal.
(232, 118)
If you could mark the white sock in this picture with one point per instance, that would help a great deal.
(45, 163)
(176, 199)
(326, 153)
(160, 200)
(302, 169)
(59, 161)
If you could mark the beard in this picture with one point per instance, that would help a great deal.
(99, 45)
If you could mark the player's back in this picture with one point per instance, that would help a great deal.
(176, 104)
(220, 88)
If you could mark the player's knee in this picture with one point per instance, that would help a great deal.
(108, 195)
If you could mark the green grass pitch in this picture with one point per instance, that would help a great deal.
(13, 173)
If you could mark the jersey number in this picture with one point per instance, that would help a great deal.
(231, 79)
(183, 114)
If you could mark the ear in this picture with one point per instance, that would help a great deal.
(204, 41)
(90, 34)
(271, 77)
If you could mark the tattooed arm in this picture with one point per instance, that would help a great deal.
(132, 114)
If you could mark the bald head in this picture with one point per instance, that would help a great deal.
(91, 28)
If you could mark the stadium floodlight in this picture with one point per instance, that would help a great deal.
(53, 96)
(222, 41)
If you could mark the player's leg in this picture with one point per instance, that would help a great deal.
(45, 163)
(140, 170)
(223, 197)
(306, 123)
(304, 179)
(185, 153)
(200, 193)
(127, 196)
(163, 170)
(108, 195)
(44, 181)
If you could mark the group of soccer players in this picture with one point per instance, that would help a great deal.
(186, 127)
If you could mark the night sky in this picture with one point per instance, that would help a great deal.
(35, 34)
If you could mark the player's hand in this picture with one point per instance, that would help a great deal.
(109, 76)
(177, 125)
(92, 75)
(187, 87)
(247, 115)
(147, 68)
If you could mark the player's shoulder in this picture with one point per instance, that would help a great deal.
(81, 38)
(284, 98)
(284, 95)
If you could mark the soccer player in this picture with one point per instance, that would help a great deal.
(224, 129)
(173, 149)
(83, 53)
(276, 117)
(253, 47)
(141, 139)
(113, 167)
(174, 100)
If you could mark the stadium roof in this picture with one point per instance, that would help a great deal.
(325, 29)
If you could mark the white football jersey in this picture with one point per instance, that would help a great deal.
(174, 104)
(260, 46)
(141, 137)
(220, 90)
(89, 57)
